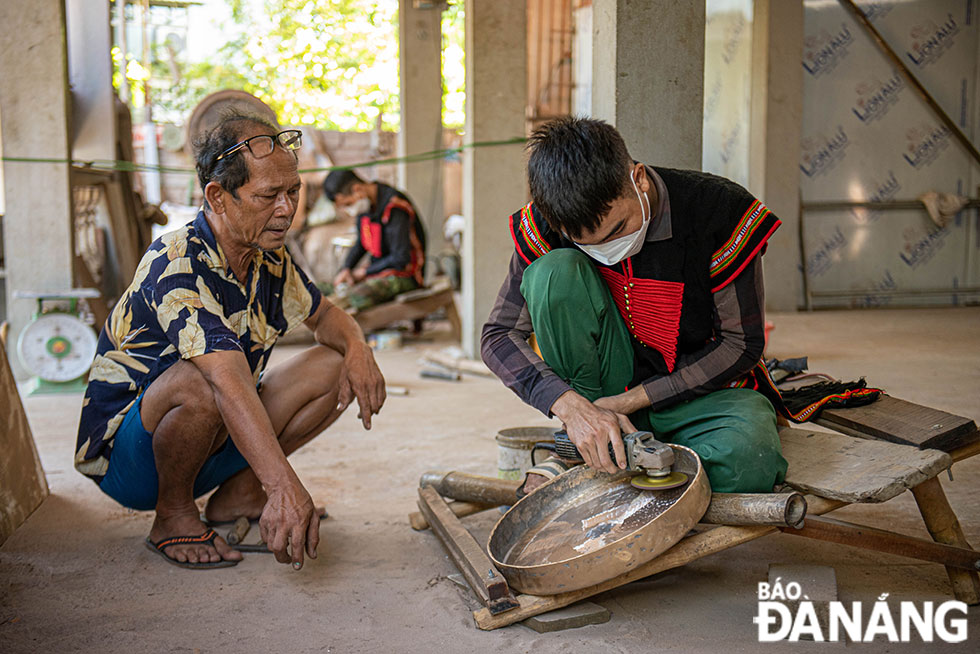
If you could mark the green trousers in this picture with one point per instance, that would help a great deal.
(371, 292)
(582, 337)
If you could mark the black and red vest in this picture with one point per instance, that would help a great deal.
(664, 292)
(370, 230)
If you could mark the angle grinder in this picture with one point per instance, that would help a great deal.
(650, 459)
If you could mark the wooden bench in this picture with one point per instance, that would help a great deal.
(414, 305)
(890, 446)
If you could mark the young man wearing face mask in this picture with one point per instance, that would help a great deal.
(643, 287)
(388, 229)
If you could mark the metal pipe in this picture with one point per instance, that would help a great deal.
(896, 292)
(471, 488)
(779, 509)
(889, 205)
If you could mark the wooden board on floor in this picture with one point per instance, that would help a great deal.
(849, 469)
(22, 483)
(898, 421)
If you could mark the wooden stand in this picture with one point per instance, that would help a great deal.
(883, 453)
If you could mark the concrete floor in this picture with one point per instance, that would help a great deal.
(76, 577)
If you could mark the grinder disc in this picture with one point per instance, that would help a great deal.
(673, 480)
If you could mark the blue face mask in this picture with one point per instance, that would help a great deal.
(614, 251)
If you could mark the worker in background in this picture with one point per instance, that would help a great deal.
(389, 231)
(179, 402)
(643, 288)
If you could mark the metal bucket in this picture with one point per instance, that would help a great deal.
(514, 447)
(584, 527)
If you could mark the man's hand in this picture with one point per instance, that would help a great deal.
(289, 523)
(362, 379)
(359, 274)
(625, 403)
(343, 277)
(592, 428)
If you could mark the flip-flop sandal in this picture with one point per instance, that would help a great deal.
(207, 538)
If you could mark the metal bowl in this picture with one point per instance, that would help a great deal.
(584, 527)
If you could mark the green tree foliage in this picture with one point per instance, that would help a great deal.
(328, 63)
(332, 64)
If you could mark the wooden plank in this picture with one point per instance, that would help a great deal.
(482, 576)
(944, 527)
(851, 469)
(897, 421)
(879, 540)
(22, 483)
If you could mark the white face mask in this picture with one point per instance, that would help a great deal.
(361, 206)
(614, 251)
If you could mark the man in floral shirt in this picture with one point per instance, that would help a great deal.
(177, 402)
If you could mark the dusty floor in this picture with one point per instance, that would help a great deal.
(76, 577)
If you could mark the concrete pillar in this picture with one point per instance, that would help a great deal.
(648, 77)
(774, 141)
(493, 177)
(420, 95)
(90, 73)
(34, 103)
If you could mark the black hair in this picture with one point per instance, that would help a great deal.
(231, 172)
(340, 182)
(575, 169)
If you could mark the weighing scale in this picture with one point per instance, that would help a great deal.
(57, 346)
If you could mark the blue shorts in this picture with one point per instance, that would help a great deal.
(131, 478)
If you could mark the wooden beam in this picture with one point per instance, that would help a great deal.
(945, 528)
(879, 540)
(479, 571)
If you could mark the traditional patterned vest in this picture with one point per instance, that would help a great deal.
(664, 292)
(370, 232)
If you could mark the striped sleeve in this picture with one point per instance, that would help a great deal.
(532, 236)
(744, 242)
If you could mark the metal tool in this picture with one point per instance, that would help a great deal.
(645, 455)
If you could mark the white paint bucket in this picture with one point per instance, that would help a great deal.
(514, 449)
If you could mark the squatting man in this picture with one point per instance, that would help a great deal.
(179, 401)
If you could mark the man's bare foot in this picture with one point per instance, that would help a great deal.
(240, 495)
(189, 524)
(533, 481)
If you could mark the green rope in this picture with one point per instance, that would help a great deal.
(130, 166)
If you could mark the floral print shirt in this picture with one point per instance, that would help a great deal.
(185, 301)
